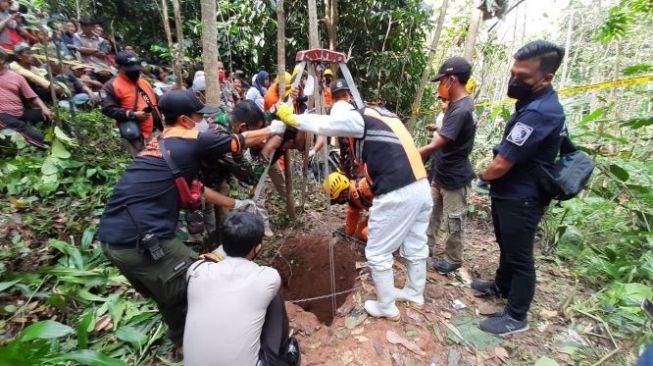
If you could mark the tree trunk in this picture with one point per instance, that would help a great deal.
(180, 39)
(379, 74)
(165, 17)
(474, 26)
(281, 67)
(78, 9)
(565, 62)
(210, 52)
(429, 63)
(331, 7)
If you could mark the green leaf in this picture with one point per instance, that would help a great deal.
(7, 284)
(637, 69)
(46, 329)
(83, 328)
(49, 166)
(131, 335)
(61, 136)
(619, 172)
(599, 112)
(87, 236)
(91, 358)
(86, 295)
(73, 254)
(545, 361)
(59, 150)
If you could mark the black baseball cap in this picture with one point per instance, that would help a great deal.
(179, 101)
(129, 61)
(338, 85)
(453, 66)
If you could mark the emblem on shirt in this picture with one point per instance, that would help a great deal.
(519, 134)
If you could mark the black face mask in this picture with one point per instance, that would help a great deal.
(133, 75)
(519, 90)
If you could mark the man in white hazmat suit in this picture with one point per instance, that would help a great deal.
(386, 154)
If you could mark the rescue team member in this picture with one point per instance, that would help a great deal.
(328, 93)
(386, 154)
(338, 91)
(358, 194)
(235, 313)
(451, 170)
(131, 101)
(141, 215)
(532, 136)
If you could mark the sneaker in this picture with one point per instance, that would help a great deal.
(486, 289)
(503, 325)
(444, 266)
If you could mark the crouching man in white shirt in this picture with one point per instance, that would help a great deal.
(235, 314)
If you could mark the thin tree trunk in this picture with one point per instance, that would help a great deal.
(180, 39)
(565, 62)
(379, 74)
(165, 17)
(281, 66)
(474, 26)
(429, 63)
(78, 9)
(210, 52)
(331, 7)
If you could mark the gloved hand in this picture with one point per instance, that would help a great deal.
(311, 153)
(277, 127)
(245, 205)
(286, 113)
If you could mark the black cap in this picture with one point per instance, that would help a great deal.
(178, 102)
(453, 66)
(129, 61)
(338, 85)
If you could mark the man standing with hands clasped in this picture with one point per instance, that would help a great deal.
(451, 170)
(531, 139)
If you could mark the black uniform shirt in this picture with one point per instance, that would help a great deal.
(145, 198)
(532, 136)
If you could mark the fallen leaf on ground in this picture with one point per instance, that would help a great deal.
(103, 323)
(501, 353)
(395, 338)
(485, 308)
(547, 314)
(356, 318)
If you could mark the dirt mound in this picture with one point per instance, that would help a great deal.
(304, 269)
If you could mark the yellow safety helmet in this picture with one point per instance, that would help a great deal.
(334, 184)
(328, 72)
(471, 85)
(288, 82)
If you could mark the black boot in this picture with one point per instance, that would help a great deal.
(294, 354)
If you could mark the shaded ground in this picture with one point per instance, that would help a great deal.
(441, 333)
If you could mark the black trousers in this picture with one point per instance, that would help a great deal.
(274, 336)
(22, 124)
(515, 223)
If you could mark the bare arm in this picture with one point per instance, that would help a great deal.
(497, 169)
(438, 143)
(218, 198)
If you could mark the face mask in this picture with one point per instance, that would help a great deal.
(133, 75)
(203, 125)
(519, 90)
(443, 89)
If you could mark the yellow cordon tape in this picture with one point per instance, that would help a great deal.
(620, 83)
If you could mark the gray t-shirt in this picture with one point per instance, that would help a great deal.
(227, 303)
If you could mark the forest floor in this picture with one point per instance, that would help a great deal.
(445, 331)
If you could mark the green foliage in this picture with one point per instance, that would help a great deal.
(621, 18)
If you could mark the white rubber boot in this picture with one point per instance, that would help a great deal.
(384, 305)
(413, 291)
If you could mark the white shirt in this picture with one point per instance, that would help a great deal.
(255, 96)
(344, 121)
(227, 303)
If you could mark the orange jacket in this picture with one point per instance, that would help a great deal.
(120, 95)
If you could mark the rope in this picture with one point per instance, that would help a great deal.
(324, 296)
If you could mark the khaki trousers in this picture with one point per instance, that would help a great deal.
(450, 206)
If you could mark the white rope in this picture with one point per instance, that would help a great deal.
(324, 296)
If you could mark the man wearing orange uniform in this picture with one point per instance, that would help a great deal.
(358, 195)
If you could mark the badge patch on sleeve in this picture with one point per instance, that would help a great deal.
(519, 134)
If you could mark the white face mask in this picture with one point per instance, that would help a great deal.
(203, 125)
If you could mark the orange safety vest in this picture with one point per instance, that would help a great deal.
(128, 96)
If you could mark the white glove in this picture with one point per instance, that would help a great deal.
(277, 127)
(311, 153)
(245, 205)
